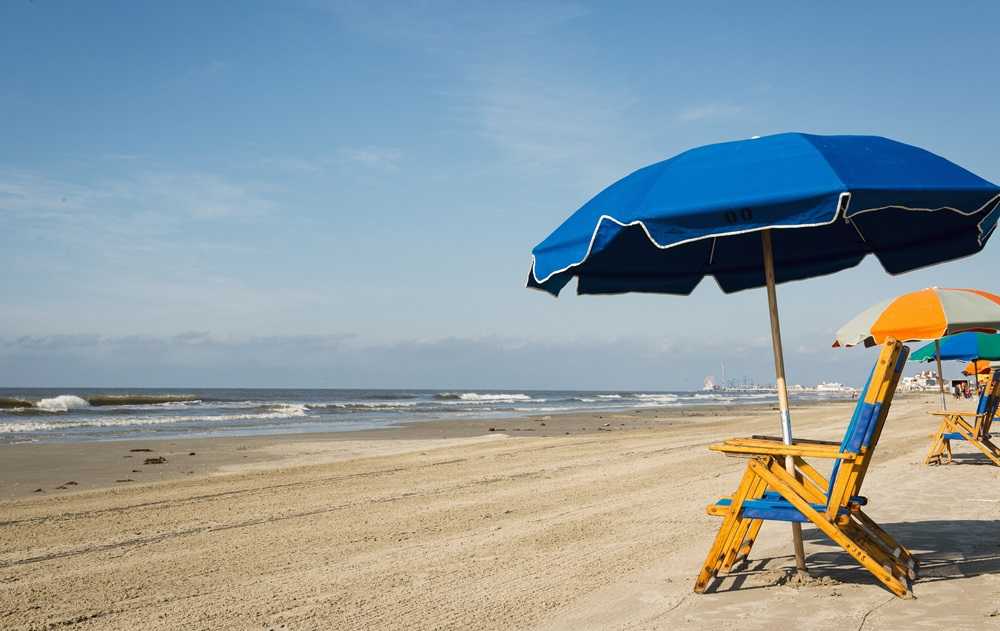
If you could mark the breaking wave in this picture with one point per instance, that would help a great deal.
(139, 399)
(477, 397)
(280, 411)
(69, 402)
(62, 403)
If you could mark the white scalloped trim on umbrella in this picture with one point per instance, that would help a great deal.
(843, 203)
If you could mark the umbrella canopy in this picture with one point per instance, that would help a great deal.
(978, 367)
(829, 200)
(762, 211)
(928, 314)
(962, 346)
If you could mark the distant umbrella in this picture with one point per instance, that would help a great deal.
(928, 314)
(981, 348)
(978, 367)
(962, 346)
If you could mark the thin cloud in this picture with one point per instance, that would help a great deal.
(296, 165)
(443, 28)
(709, 111)
(184, 195)
(373, 157)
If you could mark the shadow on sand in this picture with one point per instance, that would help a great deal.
(945, 549)
(967, 457)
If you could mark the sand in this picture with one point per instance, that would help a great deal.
(452, 526)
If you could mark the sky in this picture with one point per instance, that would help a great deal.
(335, 194)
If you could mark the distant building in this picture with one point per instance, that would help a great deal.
(925, 380)
(833, 386)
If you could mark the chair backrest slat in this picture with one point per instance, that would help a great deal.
(986, 398)
(866, 425)
(988, 404)
(851, 428)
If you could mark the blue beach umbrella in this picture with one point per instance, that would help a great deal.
(961, 346)
(768, 210)
(967, 346)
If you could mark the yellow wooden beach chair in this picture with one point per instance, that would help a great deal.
(768, 492)
(971, 427)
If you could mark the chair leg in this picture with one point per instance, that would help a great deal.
(738, 535)
(988, 448)
(896, 549)
(716, 553)
(751, 537)
(877, 550)
(714, 558)
(937, 445)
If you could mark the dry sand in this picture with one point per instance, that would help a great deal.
(451, 526)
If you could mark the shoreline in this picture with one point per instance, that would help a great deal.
(56, 468)
(80, 415)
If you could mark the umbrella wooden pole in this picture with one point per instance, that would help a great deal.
(937, 355)
(779, 374)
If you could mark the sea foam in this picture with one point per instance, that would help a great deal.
(475, 397)
(62, 403)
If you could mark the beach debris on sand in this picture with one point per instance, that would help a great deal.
(155, 460)
(140, 449)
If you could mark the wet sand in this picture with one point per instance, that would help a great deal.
(451, 526)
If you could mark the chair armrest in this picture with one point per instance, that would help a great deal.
(955, 413)
(764, 447)
(798, 441)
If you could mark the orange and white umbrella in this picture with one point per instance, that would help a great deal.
(928, 314)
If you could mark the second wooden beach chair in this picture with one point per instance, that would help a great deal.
(769, 492)
(971, 427)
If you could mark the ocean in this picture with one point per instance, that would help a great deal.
(50, 415)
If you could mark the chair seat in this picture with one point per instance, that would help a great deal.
(857, 500)
(773, 507)
(953, 436)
